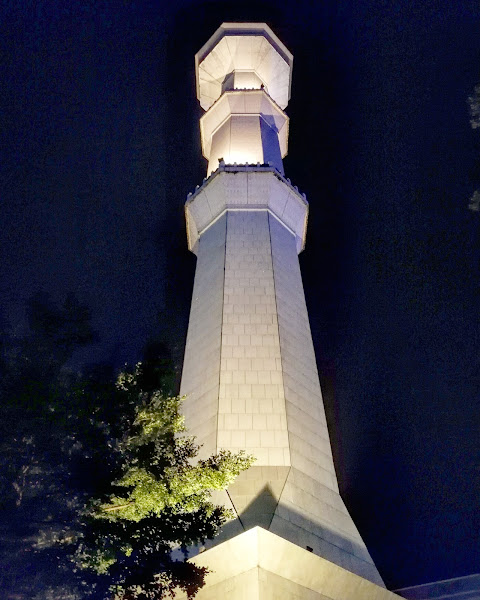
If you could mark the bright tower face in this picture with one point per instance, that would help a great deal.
(250, 374)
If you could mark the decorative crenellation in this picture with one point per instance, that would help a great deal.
(237, 168)
(251, 188)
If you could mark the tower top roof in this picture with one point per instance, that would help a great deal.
(243, 47)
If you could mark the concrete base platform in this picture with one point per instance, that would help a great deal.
(458, 588)
(259, 565)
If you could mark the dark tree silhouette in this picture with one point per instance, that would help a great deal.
(36, 443)
(96, 483)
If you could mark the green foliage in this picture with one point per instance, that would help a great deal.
(66, 437)
(160, 500)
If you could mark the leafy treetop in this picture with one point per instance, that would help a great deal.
(160, 500)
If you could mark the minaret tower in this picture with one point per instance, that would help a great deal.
(250, 376)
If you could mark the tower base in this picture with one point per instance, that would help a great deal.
(259, 565)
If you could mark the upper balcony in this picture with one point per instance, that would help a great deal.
(243, 55)
(244, 126)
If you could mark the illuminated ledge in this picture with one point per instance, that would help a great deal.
(458, 588)
(246, 188)
(240, 103)
(259, 565)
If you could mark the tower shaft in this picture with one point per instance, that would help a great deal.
(250, 376)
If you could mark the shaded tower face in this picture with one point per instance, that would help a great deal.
(250, 375)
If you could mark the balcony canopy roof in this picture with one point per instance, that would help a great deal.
(244, 47)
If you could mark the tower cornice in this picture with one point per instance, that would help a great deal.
(249, 188)
(248, 48)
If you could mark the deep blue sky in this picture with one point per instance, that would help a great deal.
(100, 145)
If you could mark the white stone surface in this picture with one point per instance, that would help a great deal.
(201, 368)
(251, 382)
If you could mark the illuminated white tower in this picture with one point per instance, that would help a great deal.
(250, 376)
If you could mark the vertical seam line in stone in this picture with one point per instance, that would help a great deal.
(221, 328)
(208, 202)
(229, 139)
(279, 340)
(221, 348)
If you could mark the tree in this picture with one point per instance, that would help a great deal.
(159, 500)
(66, 437)
(474, 106)
(36, 442)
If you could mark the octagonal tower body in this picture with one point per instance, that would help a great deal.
(250, 376)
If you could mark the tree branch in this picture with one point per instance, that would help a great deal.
(117, 507)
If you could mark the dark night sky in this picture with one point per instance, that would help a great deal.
(100, 145)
